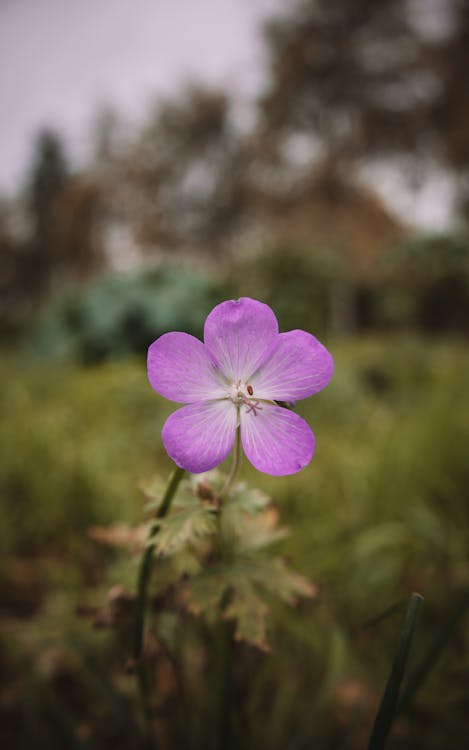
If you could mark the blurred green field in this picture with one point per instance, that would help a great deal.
(381, 511)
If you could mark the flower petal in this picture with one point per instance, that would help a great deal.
(180, 368)
(240, 334)
(276, 441)
(298, 367)
(199, 436)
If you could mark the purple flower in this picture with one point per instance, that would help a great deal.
(234, 379)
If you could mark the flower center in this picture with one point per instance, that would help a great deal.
(242, 393)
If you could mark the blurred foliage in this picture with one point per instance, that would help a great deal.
(364, 79)
(185, 175)
(219, 563)
(299, 283)
(121, 314)
(425, 284)
(52, 236)
(70, 455)
(421, 284)
(349, 85)
(381, 511)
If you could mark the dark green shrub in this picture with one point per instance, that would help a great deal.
(121, 315)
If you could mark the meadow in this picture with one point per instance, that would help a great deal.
(381, 512)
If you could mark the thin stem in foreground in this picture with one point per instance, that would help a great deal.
(143, 676)
(145, 565)
(235, 464)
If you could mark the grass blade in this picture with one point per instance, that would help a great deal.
(389, 701)
(423, 668)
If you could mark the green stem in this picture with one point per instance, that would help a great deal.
(222, 686)
(145, 565)
(235, 464)
(223, 633)
(142, 596)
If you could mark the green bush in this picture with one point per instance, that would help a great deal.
(426, 284)
(304, 285)
(121, 315)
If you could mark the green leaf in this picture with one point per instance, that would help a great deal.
(250, 612)
(283, 583)
(203, 593)
(258, 532)
(247, 499)
(238, 588)
(290, 585)
(182, 528)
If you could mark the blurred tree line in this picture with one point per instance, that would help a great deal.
(276, 209)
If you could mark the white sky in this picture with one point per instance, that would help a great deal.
(61, 60)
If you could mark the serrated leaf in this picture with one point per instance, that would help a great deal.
(182, 528)
(256, 532)
(287, 584)
(203, 593)
(246, 533)
(154, 489)
(273, 577)
(250, 612)
(247, 499)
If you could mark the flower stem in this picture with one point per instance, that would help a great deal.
(145, 565)
(235, 464)
(223, 633)
(222, 691)
(142, 594)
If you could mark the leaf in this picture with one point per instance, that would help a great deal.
(247, 499)
(256, 532)
(428, 661)
(289, 585)
(203, 594)
(237, 590)
(154, 489)
(182, 528)
(249, 521)
(250, 612)
(279, 581)
(388, 706)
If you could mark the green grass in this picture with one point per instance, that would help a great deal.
(382, 510)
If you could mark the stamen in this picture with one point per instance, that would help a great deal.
(253, 406)
(241, 394)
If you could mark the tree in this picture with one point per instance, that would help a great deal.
(184, 174)
(48, 179)
(65, 213)
(364, 79)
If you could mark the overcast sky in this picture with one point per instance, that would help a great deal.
(61, 60)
